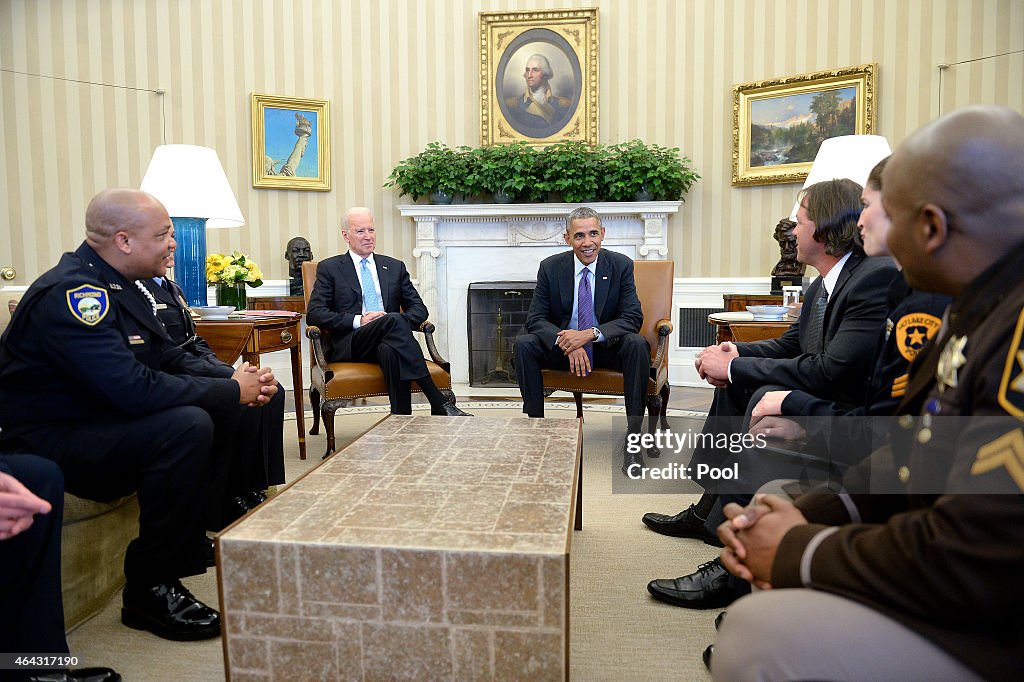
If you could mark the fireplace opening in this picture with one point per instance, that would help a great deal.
(497, 315)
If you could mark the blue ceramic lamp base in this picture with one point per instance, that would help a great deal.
(190, 258)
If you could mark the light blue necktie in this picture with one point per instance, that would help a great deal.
(371, 301)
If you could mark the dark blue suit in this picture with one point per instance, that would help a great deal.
(336, 300)
(30, 599)
(619, 318)
(839, 370)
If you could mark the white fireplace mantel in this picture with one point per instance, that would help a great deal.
(458, 244)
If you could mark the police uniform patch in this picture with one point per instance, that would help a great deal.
(1006, 451)
(88, 304)
(899, 385)
(913, 331)
(1011, 386)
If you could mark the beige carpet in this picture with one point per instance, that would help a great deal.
(618, 631)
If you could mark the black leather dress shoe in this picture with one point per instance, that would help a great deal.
(710, 587)
(79, 675)
(449, 410)
(706, 656)
(718, 620)
(170, 611)
(629, 459)
(255, 497)
(685, 524)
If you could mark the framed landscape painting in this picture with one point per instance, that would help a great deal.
(779, 124)
(538, 76)
(291, 143)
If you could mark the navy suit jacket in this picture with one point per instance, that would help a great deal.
(616, 305)
(855, 312)
(337, 298)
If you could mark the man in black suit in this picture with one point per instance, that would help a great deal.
(368, 304)
(585, 313)
(828, 352)
(255, 460)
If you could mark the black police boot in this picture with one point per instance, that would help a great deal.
(170, 611)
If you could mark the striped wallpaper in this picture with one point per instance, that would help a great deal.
(81, 111)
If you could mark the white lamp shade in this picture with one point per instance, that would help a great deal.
(190, 182)
(846, 156)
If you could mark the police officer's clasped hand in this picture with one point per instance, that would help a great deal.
(256, 384)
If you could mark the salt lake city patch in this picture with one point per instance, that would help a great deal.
(913, 331)
(88, 304)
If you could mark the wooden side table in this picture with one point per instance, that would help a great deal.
(739, 302)
(741, 326)
(296, 304)
(248, 338)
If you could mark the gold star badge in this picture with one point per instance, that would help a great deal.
(1011, 386)
(950, 361)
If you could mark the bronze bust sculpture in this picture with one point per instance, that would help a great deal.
(297, 252)
(788, 271)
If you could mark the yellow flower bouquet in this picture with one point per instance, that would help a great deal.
(231, 274)
(237, 267)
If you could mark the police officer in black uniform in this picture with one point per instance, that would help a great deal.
(90, 380)
(256, 447)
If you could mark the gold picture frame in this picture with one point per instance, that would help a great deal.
(778, 125)
(291, 143)
(563, 48)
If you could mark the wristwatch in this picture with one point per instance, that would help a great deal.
(597, 334)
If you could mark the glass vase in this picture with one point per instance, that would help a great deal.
(232, 293)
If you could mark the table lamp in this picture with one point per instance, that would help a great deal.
(190, 182)
(846, 156)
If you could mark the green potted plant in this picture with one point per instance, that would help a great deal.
(573, 170)
(635, 171)
(437, 172)
(673, 177)
(506, 172)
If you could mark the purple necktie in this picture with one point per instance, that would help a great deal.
(585, 311)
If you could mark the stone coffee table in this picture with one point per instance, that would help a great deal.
(431, 548)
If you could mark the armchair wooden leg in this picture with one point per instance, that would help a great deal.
(314, 402)
(665, 391)
(579, 404)
(328, 417)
